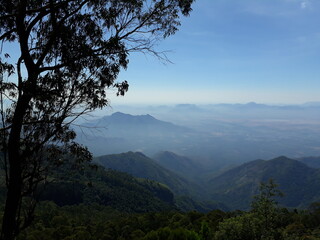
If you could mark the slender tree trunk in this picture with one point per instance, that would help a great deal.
(14, 194)
(9, 225)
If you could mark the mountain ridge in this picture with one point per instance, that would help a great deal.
(131, 133)
(181, 165)
(139, 165)
(300, 183)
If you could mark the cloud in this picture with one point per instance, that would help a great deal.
(276, 8)
(305, 4)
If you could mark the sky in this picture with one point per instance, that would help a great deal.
(266, 51)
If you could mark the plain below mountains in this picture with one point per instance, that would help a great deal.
(213, 143)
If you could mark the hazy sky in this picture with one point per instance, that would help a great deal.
(266, 51)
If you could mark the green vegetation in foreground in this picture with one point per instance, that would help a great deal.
(93, 184)
(90, 222)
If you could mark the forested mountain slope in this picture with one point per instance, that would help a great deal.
(91, 184)
(299, 183)
(313, 162)
(139, 165)
(181, 165)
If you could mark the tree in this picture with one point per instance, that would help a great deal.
(243, 227)
(70, 52)
(265, 206)
(260, 223)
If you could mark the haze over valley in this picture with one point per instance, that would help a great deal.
(214, 136)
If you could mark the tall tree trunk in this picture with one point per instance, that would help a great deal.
(14, 194)
(9, 225)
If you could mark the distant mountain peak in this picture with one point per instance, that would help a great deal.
(299, 182)
(256, 105)
(141, 154)
(147, 116)
(179, 164)
(120, 114)
(281, 158)
(252, 103)
(285, 161)
(167, 153)
(124, 117)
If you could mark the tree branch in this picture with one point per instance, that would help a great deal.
(7, 34)
(55, 32)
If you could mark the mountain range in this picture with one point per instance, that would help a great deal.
(133, 182)
(233, 188)
(121, 132)
(213, 162)
(236, 187)
(213, 144)
(180, 165)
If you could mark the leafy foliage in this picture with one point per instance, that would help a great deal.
(95, 221)
(94, 184)
(71, 51)
(265, 205)
(100, 222)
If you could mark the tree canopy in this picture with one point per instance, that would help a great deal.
(70, 52)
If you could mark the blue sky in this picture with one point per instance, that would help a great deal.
(267, 51)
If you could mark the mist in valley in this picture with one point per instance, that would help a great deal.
(215, 136)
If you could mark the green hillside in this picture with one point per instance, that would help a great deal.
(235, 187)
(94, 184)
(139, 165)
(313, 162)
(179, 164)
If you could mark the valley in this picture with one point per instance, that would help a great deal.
(208, 154)
(231, 189)
(215, 136)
